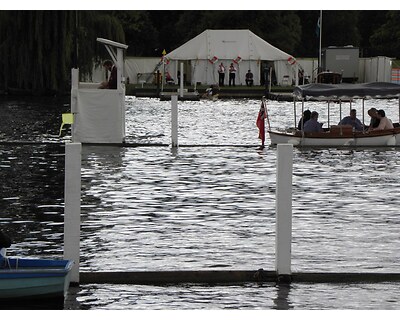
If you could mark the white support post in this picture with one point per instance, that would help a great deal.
(283, 241)
(181, 82)
(72, 209)
(74, 96)
(174, 120)
(270, 79)
(120, 70)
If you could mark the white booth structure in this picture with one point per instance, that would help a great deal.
(99, 114)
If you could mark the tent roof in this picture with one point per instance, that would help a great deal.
(227, 44)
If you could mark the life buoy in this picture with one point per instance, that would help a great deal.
(291, 60)
(237, 60)
(213, 60)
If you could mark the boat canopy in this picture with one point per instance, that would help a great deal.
(345, 91)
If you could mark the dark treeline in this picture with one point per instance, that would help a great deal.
(37, 48)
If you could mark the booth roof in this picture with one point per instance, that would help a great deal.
(323, 91)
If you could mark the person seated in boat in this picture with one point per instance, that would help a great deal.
(374, 123)
(313, 125)
(384, 122)
(306, 116)
(352, 120)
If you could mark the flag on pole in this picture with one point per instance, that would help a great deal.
(261, 123)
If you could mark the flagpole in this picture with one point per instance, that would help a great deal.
(320, 42)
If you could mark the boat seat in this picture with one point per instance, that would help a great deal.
(67, 118)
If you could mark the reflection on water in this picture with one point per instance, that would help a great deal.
(157, 208)
(171, 215)
(282, 301)
(32, 197)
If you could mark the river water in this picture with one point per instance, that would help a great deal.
(208, 205)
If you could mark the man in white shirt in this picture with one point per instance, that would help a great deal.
(384, 123)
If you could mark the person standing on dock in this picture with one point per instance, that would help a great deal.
(232, 74)
(221, 74)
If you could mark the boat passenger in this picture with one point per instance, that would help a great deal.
(384, 122)
(352, 120)
(374, 123)
(313, 125)
(306, 116)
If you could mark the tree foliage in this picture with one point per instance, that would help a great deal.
(386, 37)
(37, 48)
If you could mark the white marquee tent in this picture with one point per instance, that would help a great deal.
(203, 54)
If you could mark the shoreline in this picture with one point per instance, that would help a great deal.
(152, 91)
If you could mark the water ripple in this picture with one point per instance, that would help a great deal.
(154, 208)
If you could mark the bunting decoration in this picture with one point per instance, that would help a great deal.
(213, 60)
(291, 60)
(237, 60)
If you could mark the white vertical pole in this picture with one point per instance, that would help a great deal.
(270, 79)
(399, 109)
(121, 89)
(74, 96)
(120, 69)
(283, 241)
(72, 209)
(174, 120)
(182, 79)
(320, 43)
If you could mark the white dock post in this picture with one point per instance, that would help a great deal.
(181, 82)
(72, 209)
(174, 121)
(283, 240)
(74, 97)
